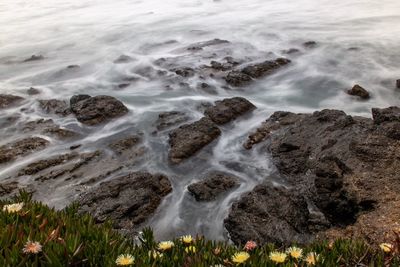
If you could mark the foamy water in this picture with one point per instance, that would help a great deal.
(358, 42)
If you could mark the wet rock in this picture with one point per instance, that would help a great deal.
(55, 106)
(73, 67)
(123, 59)
(48, 127)
(124, 144)
(215, 184)
(41, 165)
(184, 72)
(310, 44)
(201, 45)
(389, 114)
(8, 188)
(357, 90)
(21, 147)
(77, 98)
(98, 109)
(34, 58)
(74, 147)
(123, 85)
(166, 120)
(228, 109)
(59, 132)
(33, 91)
(128, 200)
(398, 84)
(291, 51)
(223, 66)
(7, 101)
(237, 78)
(190, 138)
(207, 88)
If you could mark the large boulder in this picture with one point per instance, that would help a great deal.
(127, 200)
(97, 109)
(215, 184)
(359, 91)
(228, 109)
(186, 140)
(7, 101)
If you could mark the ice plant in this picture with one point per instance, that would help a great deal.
(190, 249)
(295, 252)
(386, 247)
(240, 257)
(32, 247)
(155, 254)
(187, 239)
(13, 208)
(250, 245)
(311, 258)
(277, 257)
(124, 260)
(165, 245)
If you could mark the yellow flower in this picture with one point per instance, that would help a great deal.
(125, 259)
(278, 257)
(312, 258)
(187, 239)
(295, 252)
(240, 257)
(12, 208)
(32, 247)
(165, 245)
(155, 254)
(190, 249)
(386, 247)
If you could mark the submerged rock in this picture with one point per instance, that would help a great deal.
(34, 58)
(215, 184)
(122, 145)
(95, 110)
(357, 90)
(190, 138)
(237, 78)
(21, 147)
(228, 109)
(310, 44)
(55, 106)
(128, 200)
(7, 101)
(33, 91)
(398, 84)
(168, 119)
(41, 165)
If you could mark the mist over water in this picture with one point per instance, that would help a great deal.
(358, 42)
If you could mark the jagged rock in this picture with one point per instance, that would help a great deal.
(96, 110)
(128, 200)
(168, 119)
(55, 106)
(190, 138)
(21, 147)
(7, 101)
(33, 91)
(229, 109)
(212, 186)
(389, 114)
(41, 165)
(359, 91)
(184, 72)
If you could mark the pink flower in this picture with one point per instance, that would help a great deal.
(250, 245)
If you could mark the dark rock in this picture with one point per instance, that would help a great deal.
(55, 106)
(21, 147)
(172, 118)
(264, 68)
(389, 114)
(34, 58)
(7, 101)
(124, 144)
(359, 91)
(123, 59)
(190, 138)
(237, 78)
(212, 186)
(77, 98)
(291, 51)
(123, 85)
(33, 91)
(207, 88)
(228, 109)
(201, 45)
(8, 188)
(310, 44)
(59, 132)
(184, 72)
(73, 67)
(127, 200)
(98, 109)
(259, 217)
(398, 84)
(75, 147)
(222, 66)
(41, 165)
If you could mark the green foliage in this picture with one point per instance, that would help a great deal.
(72, 239)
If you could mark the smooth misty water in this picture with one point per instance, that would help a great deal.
(93, 33)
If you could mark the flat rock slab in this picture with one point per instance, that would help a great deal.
(128, 200)
(229, 109)
(215, 184)
(21, 147)
(186, 140)
(7, 101)
(98, 109)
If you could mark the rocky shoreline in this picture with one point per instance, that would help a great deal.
(340, 172)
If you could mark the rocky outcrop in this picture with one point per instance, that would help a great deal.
(55, 106)
(345, 168)
(122, 145)
(41, 165)
(21, 147)
(168, 119)
(190, 138)
(48, 127)
(255, 71)
(7, 101)
(215, 184)
(96, 110)
(357, 90)
(228, 109)
(128, 200)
